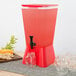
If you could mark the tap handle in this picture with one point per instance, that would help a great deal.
(31, 38)
(31, 42)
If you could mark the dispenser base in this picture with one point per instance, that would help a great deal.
(44, 56)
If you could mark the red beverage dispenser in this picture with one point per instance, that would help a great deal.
(39, 26)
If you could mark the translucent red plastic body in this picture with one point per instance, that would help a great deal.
(40, 23)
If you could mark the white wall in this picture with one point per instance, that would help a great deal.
(11, 23)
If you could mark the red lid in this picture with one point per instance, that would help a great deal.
(39, 5)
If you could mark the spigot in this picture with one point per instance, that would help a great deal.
(31, 42)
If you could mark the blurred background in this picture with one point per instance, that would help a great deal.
(11, 23)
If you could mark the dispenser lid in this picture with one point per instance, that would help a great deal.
(40, 5)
